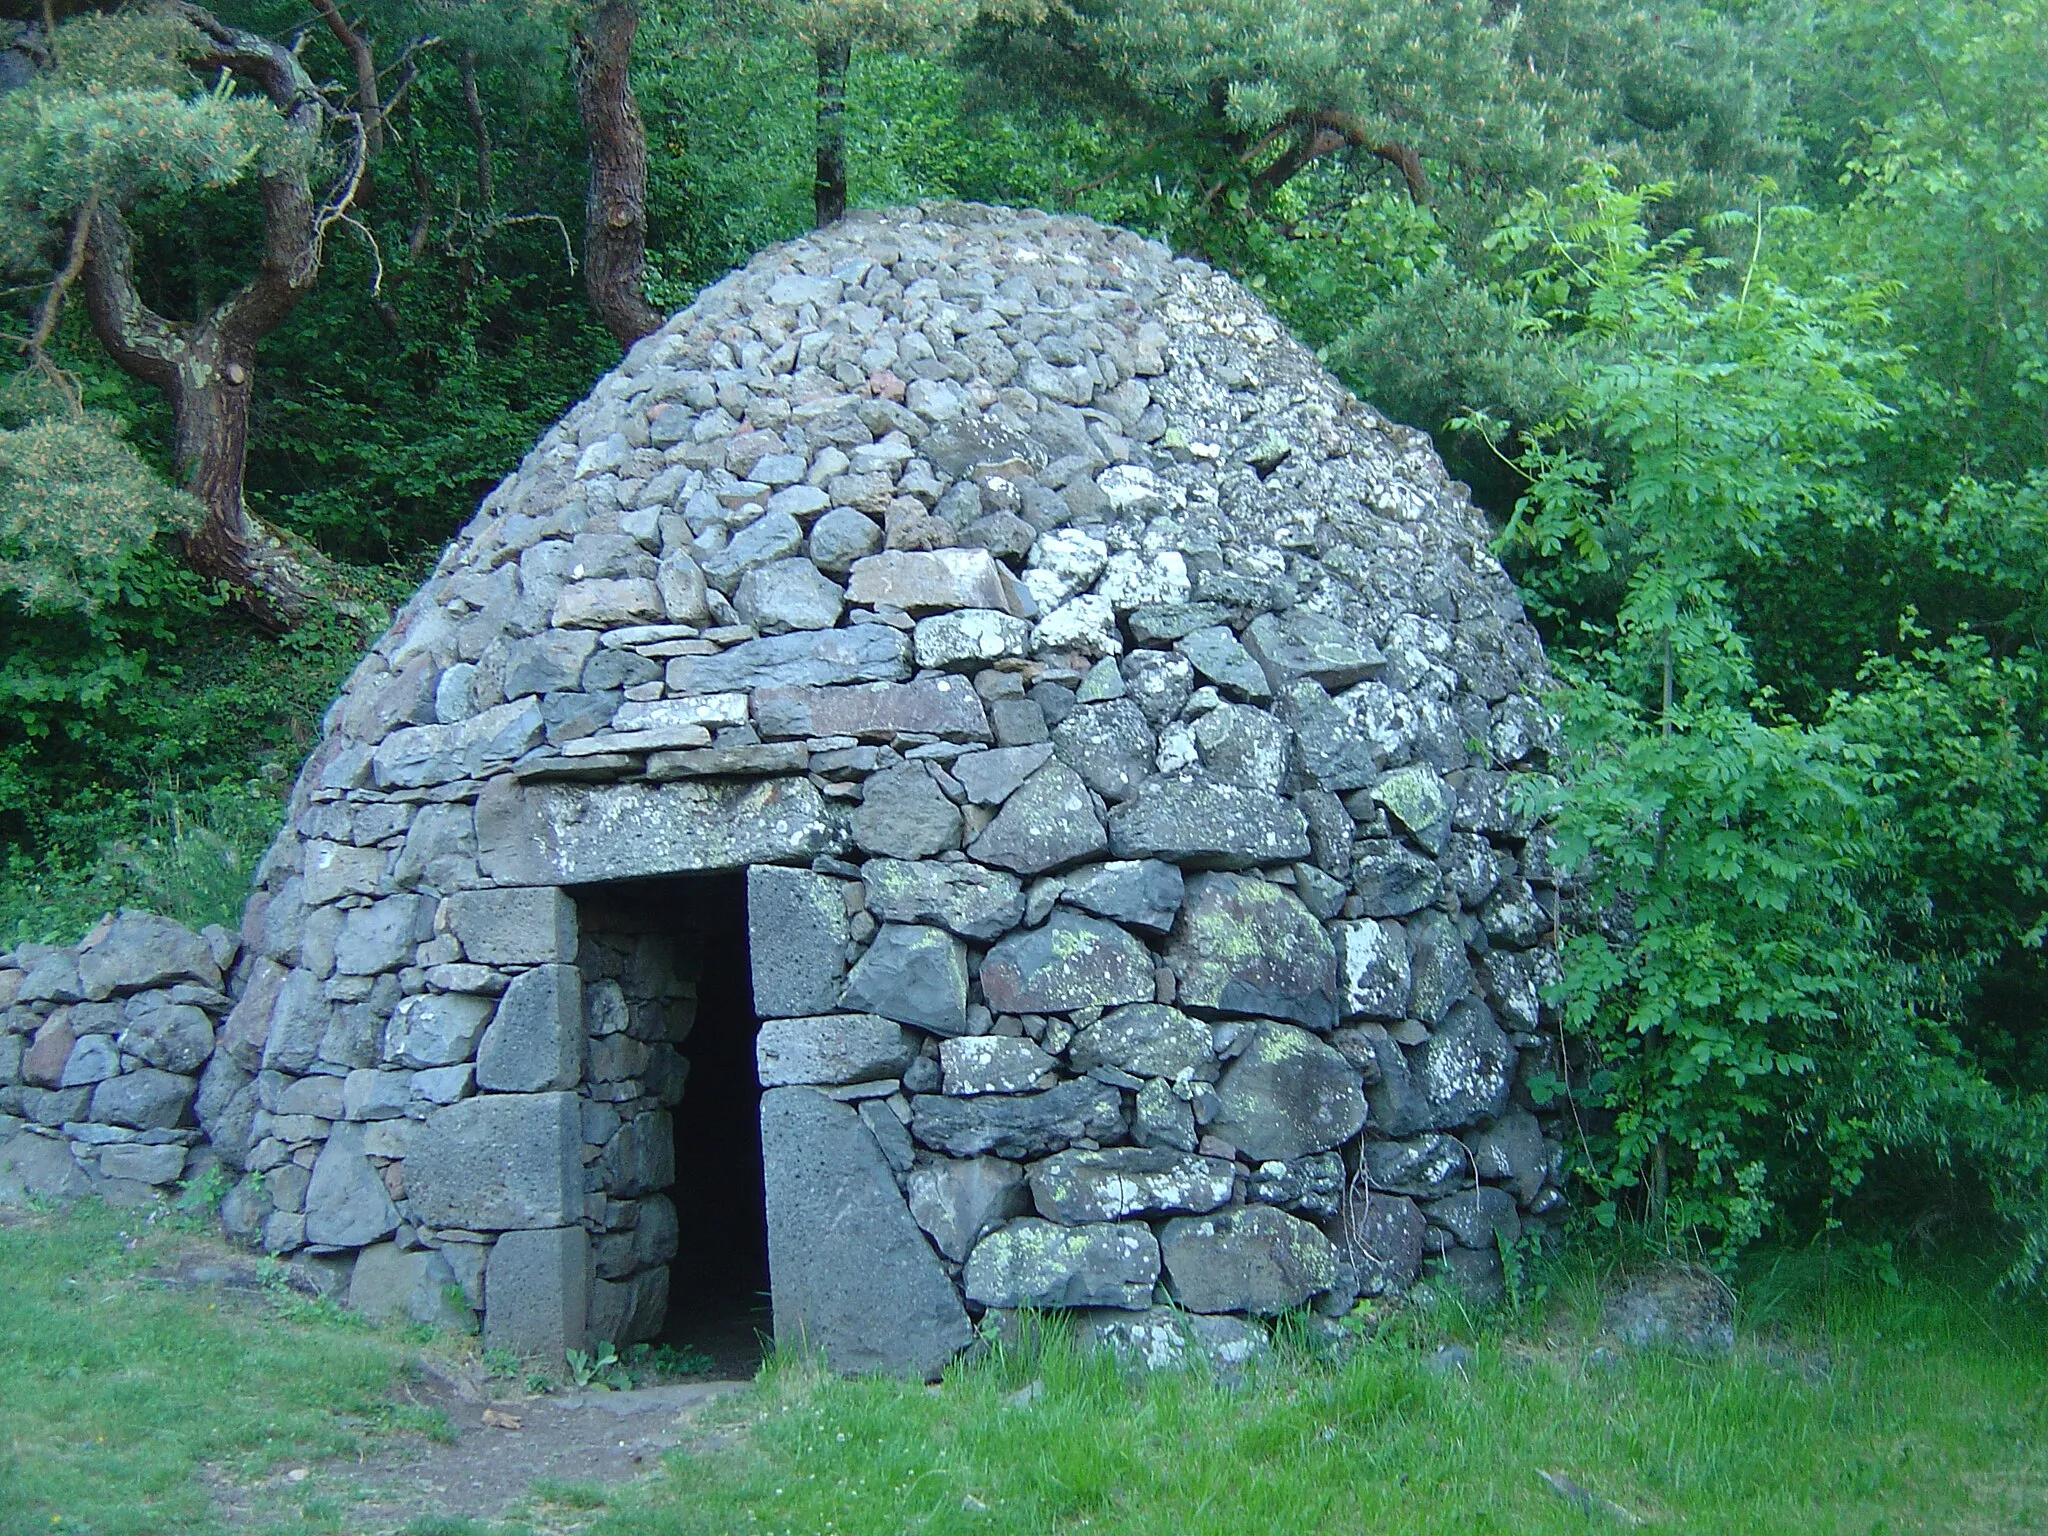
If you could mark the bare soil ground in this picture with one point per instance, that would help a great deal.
(495, 1451)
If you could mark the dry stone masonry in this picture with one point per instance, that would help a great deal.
(1119, 727)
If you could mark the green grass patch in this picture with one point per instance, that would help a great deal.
(121, 1398)
(1851, 1405)
(1912, 1409)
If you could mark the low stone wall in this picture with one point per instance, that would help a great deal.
(105, 1053)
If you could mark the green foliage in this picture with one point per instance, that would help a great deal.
(1786, 909)
(118, 119)
(80, 516)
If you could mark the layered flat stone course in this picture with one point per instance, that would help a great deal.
(1120, 726)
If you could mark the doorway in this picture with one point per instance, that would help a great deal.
(684, 939)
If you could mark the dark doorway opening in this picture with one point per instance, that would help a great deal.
(718, 1284)
(675, 949)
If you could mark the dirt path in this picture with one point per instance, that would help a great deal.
(496, 1452)
(543, 1457)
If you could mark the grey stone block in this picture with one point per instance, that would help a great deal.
(1465, 1068)
(1046, 824)
(1070, 962)
(1201, 824)
(1118, 1182)
(513, 925)
(146, 1099)
(1018, 1125)
(535, 1040)
(1146, 1040)
(142, 1163)
(993, 1064)
(498, 1162)
(831, 1048)
(1034, 1263)
(389, 1281)
(436, 1029)
(966, 899)
(956, 1200)
(1287, 1096)
(914, 975)
(553, 834)
(177, 1037)
(141, 950)
(1142, 893)
(347, 1204)
(1247, 946)
(537, 1292)
(853, 1277)
(904, 815)
(1251, 1258)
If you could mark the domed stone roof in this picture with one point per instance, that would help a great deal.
(1113, 720)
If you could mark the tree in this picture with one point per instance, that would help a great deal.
(1261, 90)
(831, 28)
(615, 208)
(172, 101)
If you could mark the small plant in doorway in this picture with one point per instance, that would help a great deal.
(600, 1369)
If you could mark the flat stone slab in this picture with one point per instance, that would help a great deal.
(1202, 824)
(499, 1162)
(553, 834)
(865, 653)
(831, 1048)
(853, 1278)
(966, 899)
(930, 581)
(946, 707)
(1018, 1125)
(1117, 1182)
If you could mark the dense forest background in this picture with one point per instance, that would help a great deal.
(1733, 312)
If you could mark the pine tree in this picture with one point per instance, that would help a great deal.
(165, 102)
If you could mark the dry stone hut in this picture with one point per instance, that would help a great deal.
(968, 774)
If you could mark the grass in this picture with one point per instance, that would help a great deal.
(1926, 1412)
(121, 1397)
(1850, 1406)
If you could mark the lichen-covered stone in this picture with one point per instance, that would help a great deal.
(992, 1064)
(1288, 1095)
(966, 899)
(1246, 946)
(1118, 1182)
(1049, 822)
(1146, 1040)
(914, 975)
(1201, 824)
(1033, 1263)
(1252, 1258)
(1018, 1125)
(1071, 962)
(1466, 1067)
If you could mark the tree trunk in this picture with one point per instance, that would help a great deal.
(828, 188)
(615, 207)
(206, 371)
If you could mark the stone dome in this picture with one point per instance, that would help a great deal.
(971, 698)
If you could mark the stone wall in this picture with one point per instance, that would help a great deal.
(104, 1052)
